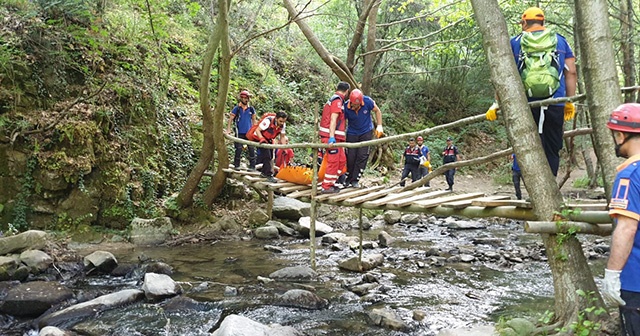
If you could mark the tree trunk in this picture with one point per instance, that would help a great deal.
(220, 177)
(570, 273)
(337, 66)
(627, 46)
(370, 58)
(601, 80)
(357, 34)
(185, 197)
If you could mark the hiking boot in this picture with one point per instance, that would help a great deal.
(449, 189)
(330, 190)
(272, 179)
(355, 184)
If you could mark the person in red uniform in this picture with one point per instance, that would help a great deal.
(284, 157)
(267, 131)
(332, 130)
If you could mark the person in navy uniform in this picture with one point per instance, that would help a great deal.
(450, 154)
(242, 117)
(411, 162)
(621, 284)
(358, 111)
(516, 176)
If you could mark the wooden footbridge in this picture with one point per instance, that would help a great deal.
(593, 216)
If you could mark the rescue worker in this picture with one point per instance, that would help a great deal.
(268, 130)
(450, 154)
(425, 161)
(332, 130)
(358, 111)
(516, 176)
(284, 157)
(412, 156)
(621, 284)
(242, 117)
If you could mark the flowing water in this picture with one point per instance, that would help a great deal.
(451, 296)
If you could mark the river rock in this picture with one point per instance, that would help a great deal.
(266, 232)
(290, 208)
(387, 318)
(228, 224)
(236, 325)
(473, 331)
(333, 237)
(300, 298)
(369, 261)
(410, 218)
(150, 231)
(385, 239)
(159, 286)
(28, 240)
(36, 260)
(92, 307)
(294, 273)
(457, 224)
(53, 331)
(257, 217)
(321, 228)
(392, 216)
(101, 261)
(283, 229)
(158, 267)
(521, 326)
(34, 298)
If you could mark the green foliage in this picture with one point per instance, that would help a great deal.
(562, 237)
(588, 323)
(64, 222)
(22, 206)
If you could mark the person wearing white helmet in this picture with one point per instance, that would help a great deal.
(621, 284)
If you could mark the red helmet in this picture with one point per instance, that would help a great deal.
(625, 118)
(356, 97)
(245, 94)
(419, 138)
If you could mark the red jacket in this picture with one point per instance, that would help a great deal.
(333, 105)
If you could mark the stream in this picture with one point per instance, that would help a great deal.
(423, 271)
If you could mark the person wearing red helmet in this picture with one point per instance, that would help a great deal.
(242, 117)
(621, 284)
(358, 111)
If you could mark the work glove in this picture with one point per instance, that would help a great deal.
(264, 141)
(611, 288)
(491, 112)
(378, 132)
(569, 111)
(332, 140)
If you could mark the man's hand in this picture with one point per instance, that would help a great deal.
(611, 288)
(264, 141)
(332, 140)
(378, 132)
(569, 111)
(491, 112)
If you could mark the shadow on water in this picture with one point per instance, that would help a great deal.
(452, 295)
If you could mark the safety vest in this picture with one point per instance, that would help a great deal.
(325, 121)
(273, 130)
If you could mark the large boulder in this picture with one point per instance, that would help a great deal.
(159, 286)
(34, 298)
(36, 260)
(101, 261)
(300, 298)
(236, 325)
(290, 208)
(150, 231)
(92, 307)
(28, 240)
(294, 273)
(305, 227)
(369, 262)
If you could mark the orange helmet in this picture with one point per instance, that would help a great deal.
(356, 97)
(625, 118)
(245, 94)
(419, 138)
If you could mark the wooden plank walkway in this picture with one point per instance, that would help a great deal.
(422, 199)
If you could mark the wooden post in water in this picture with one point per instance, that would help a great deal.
(270, 204)
(314, 203)
(360, 236)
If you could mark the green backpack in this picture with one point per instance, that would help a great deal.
(539, 66)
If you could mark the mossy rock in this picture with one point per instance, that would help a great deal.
(522, 327)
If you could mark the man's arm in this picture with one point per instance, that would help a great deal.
(570, 76)
(376, 109)
(333, 125)
(231, 116)
(622, 242)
